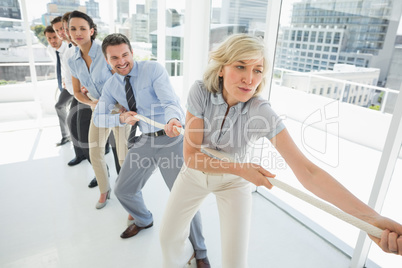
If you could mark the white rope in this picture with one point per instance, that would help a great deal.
(368, 228)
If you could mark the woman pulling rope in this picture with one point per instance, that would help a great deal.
(226, 114)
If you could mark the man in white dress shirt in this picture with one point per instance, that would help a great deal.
(55, 50)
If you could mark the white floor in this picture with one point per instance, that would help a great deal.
(48, 217)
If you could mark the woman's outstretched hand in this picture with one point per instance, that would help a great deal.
(391, 237)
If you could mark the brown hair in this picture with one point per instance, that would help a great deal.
(79, 14)
(48, 29)
(65, 17)
(55, 20)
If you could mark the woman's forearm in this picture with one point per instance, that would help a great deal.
(198, 160)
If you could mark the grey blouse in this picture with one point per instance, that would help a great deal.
(245, 123)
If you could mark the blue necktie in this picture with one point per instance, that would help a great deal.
(58, 70)
(132, 105)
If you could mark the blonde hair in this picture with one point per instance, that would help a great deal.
(237, 47)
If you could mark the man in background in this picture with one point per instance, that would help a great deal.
(80, 142)
(55, 50)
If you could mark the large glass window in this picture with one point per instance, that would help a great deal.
(35, 101)
(138, 20)
(234, 16)
(324, 125)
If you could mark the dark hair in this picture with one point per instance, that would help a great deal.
(78, 14)
(55, 20)
(65, 17)
(48, 29)
(114, 40)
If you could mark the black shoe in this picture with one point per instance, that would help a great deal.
(107, 149)
(93, 183)
(63, 141)
(76, 161)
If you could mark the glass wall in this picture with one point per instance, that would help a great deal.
(235, 16)
(336, 99)
(138, 20)
(391, 209)
(22, 103)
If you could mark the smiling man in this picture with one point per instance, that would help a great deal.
(144, 87)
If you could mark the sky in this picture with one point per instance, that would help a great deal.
(39, 7)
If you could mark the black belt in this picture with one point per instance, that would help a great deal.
(156, 134)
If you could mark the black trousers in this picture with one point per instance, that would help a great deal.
(80, 118)
(62, 107)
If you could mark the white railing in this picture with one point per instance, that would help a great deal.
(342, 82)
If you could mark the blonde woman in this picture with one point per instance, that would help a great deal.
(226, 114)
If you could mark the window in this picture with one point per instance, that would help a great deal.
(299, 35)
(327, 47)
(328, 38)
(305, 36)
(313, 36)
(320, 38)
(293, 36)
(337, 38)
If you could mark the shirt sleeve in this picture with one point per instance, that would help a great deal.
(103, 116)
(263, 120)
(165, 93)
(196, 99)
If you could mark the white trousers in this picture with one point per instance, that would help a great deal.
(233, 198)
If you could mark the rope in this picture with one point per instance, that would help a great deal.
(362, 225)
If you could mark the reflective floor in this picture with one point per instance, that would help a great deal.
(48, 217)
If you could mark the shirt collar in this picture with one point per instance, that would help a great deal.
(134, 70)
(132, 73)
(92, 51)
(217, 99)
(62, 48)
